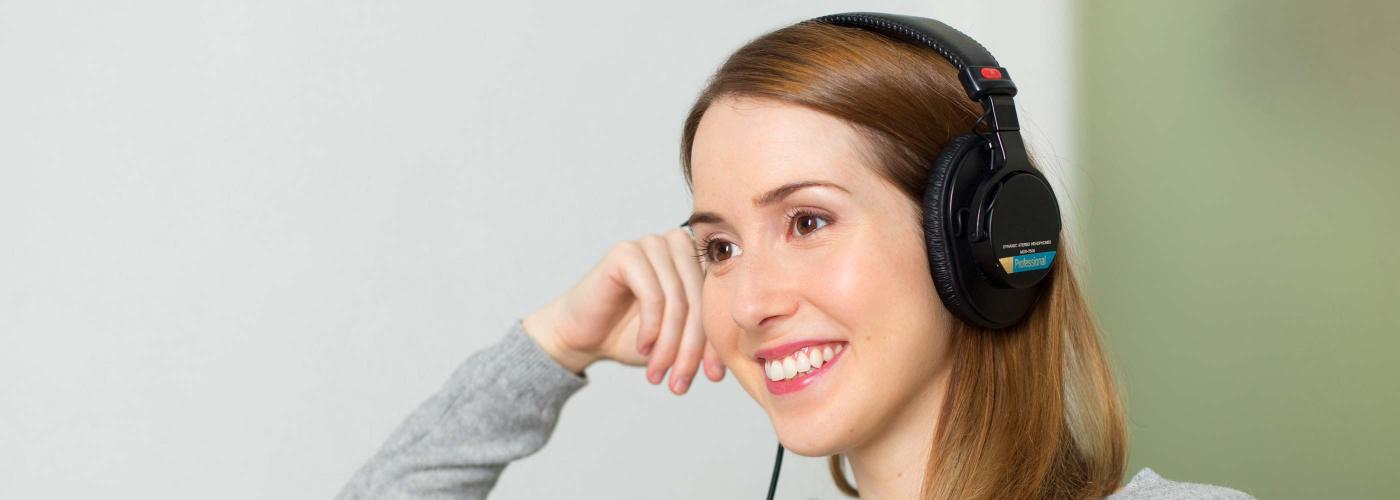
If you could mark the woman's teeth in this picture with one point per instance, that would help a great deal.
(801, 362)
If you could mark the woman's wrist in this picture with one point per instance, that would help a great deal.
(540, 327)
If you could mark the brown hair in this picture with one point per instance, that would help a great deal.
(1031, 411)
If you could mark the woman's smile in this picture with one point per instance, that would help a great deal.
(802, 368)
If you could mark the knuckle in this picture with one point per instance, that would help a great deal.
(624, 248)
(678, 236)
(678, 304)
(686, 364)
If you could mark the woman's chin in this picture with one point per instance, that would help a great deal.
(814, 440)
(809, 449)
(805, 424)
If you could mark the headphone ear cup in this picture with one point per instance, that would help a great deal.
(940, 216)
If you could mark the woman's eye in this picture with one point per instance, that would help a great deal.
(723, 250)
(808, 222)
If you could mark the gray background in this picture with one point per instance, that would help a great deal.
(239, 242)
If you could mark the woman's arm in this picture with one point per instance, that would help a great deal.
(639, 306)
(499, 405)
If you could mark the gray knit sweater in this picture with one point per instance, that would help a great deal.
(501, 405)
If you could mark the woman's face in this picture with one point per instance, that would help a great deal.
(848, 269)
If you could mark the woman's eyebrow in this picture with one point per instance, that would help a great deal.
(772, 196)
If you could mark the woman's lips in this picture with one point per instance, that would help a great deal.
(801, 381)
(782, 351)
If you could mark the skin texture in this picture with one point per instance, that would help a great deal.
(855, 271)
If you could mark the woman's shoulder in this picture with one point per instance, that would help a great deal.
(1147, 485)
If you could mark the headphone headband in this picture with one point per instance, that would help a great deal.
(979, 72)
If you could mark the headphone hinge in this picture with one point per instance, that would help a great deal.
(1006, 136)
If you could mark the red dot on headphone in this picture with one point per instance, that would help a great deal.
(991, 73)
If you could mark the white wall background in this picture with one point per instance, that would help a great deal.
(239, 242)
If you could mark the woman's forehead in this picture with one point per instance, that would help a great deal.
(744, 147)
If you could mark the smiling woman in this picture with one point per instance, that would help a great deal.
(808, 274)
(921, 400)
(923, 404)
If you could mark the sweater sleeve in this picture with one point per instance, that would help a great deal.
(1148, 485)
(499, 405)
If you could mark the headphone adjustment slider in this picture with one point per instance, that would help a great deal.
(982, 81)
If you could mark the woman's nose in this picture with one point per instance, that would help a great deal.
(764, 292)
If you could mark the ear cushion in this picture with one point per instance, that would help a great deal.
(939, 213)
(965, 290)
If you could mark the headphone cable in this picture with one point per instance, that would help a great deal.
(777, 465)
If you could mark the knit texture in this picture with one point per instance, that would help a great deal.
(498, 406)
(1147, 485)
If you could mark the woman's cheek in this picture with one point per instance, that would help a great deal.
(838, 285)
(712, 311)
(719, 330)
(724, 334)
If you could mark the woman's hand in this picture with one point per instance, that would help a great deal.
(639, 306)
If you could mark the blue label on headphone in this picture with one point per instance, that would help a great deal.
(1032, 261)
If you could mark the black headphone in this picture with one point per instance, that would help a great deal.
(991, 221)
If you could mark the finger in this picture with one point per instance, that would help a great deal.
(623, 355)
(692, 344)
(640, 277)
(675, 308)
(714, 367)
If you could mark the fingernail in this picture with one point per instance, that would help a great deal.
(681, 383)
(651, 376)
